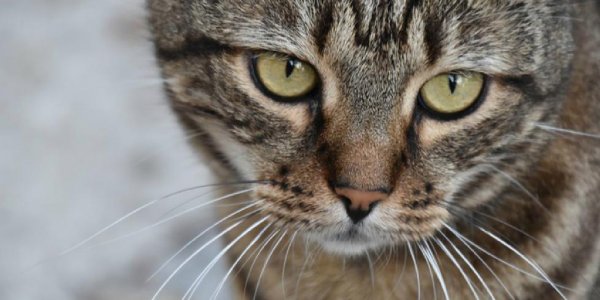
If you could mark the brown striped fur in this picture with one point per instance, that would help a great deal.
(493, 168)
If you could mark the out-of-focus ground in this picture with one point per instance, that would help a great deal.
(85, 138)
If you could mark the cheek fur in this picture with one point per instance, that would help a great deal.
(298, 115)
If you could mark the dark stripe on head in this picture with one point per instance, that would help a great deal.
(359, 38)
(193, 47)
(433, 40)
(407, 19)
(324, 25)
(390, 28)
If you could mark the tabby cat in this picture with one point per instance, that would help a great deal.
(396, 149)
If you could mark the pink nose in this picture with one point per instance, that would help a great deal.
(360, 200)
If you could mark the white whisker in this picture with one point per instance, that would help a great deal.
(262, 271)
(262, 247)
(457, 251)
(550, 251)
(166, 220)
(427, 251)
(132, 213)
(306, 259)
(190, 292)
(468, 241)
(399, 277)
(534, 265)
(222, 283)
(371, 271)
(488, 267)
(194, 255)
(198, 236)
(460, 269)
(518, 184)
(414, 259)
(567, 131)
(287, 252)
(429, 268)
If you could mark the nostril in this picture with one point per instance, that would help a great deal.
(373, 205)
(357, 214)
(347, 202)
(360, 199)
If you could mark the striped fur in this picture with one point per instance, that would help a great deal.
(493, 171)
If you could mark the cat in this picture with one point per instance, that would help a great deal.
(394, 149)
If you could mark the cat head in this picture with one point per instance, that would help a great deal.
(367, 123)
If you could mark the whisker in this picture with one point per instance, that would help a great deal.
(187, 201)
(137, 210)
(459, 253)
(485, 264)
(567, 131)
(262, 247)
(166, 220)
(219, 187)
(429, 268)
(304, 265)
(399, 277)
(198, 236)
(214, 261)
(518, 184)
(388, 257)
(370, 262)
(436, 269)
(265, 264)
(224, 184)
(534, 265)
(433, 251)
(222, 283)
(249, 257)
(287, 252)
(517, 229)
(234, 204)
(466, 240)
(414, 259)
(460, 269)
(228, 229)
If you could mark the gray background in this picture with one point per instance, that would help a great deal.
(85, 138)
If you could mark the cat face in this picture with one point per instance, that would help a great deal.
(367, 123)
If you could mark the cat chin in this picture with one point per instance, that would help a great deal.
(350, 248)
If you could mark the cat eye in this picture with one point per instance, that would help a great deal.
(449, 94)
(284, 77)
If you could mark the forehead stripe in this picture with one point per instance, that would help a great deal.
(192, 47)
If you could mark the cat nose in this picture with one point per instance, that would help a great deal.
(359, 204)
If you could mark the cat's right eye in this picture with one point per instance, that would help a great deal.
(284, 77)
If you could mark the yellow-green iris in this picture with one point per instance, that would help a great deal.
(285, 76)
(452, 93)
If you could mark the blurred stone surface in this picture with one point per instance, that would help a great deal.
(85, 138)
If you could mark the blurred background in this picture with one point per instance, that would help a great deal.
(86, 137)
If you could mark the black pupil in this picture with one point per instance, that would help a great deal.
(290, 67)
(452, 82)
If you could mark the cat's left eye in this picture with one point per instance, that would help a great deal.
(452, 94)
(283, 76)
